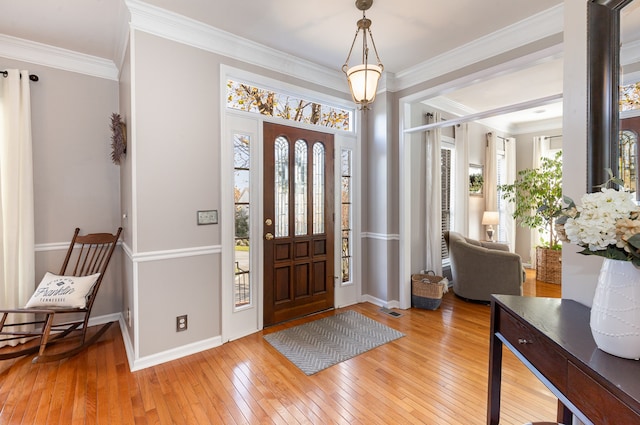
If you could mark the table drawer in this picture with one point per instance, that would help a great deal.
(534, 347)
(596, 402)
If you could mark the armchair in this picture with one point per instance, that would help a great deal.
(480, 269)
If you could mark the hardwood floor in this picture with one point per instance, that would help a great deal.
(436, 374)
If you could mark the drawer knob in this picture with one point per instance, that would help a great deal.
(524, 341)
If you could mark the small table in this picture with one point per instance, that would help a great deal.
(551, 336)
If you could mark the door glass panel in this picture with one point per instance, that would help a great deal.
(281, 187)
(241, 165)
(300, 185)
(318, 188)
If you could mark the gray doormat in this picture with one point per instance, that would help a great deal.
(316, 345)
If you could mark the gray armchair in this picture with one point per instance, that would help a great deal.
(480, 269)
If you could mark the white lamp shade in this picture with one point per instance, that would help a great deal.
(490, 218)
(363, 81)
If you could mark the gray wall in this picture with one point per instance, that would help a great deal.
(126, 198)
(176, 166)
(174, 172)
(75, 182)
(579, 272)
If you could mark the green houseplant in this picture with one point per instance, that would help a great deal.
(537, 195)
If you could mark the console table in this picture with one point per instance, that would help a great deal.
(551, 336)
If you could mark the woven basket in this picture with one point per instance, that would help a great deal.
(427, 290)
(549, 265)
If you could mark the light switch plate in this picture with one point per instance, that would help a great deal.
(207, 217)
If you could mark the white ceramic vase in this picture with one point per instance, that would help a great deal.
(615, 313)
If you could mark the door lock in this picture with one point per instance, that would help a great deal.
(268, 222)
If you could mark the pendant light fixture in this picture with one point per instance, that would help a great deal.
(363, 78)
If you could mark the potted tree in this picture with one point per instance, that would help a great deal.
(537, 195)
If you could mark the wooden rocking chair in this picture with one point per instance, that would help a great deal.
(86, 256)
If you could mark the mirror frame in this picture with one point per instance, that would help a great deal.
(603, 80)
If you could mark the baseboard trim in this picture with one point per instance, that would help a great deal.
(165, 356)
(381, 303)
(154, 359)
(101, 320)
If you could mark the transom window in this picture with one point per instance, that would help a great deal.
(245, 97)
(630, 97)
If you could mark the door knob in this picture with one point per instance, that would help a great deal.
(268, 236)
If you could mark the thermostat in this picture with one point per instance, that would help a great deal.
(207, 217)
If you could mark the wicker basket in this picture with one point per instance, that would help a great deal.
(427, 290)
(549, 265)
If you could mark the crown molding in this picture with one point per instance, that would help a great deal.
(497, 122)
(55, 57)
(487, 114)
(459, 110)
(169, 25)
(537, 126)
(630, 52)
(630, 59)
(122, 35)
(534, 28)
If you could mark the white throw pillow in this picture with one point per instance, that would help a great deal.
(63, 291)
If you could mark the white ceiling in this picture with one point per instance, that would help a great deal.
(406, 32)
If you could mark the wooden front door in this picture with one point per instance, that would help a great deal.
(298, 222)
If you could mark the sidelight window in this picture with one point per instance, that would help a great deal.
(241, 197)
(346, 214)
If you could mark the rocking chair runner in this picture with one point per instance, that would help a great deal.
(87, 255)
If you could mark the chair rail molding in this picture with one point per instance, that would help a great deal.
(381, 236)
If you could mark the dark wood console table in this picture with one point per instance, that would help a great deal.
(551, 336)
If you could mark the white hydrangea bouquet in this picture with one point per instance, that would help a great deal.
(607, 224)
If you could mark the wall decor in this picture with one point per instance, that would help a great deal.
(118, 138)
(476, 179)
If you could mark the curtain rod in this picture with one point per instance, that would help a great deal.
(499, 137)
(506, 138)
(32, 77)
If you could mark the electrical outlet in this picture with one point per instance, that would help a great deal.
(181, 323)
(129, 317)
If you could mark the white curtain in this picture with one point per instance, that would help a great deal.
(433, 198)
(16, 191)
(508, 221)
(540, 150)
(460, 207)
(491, 174)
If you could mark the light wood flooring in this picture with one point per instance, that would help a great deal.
(436, 374)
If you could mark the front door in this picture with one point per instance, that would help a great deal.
(298, 222)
